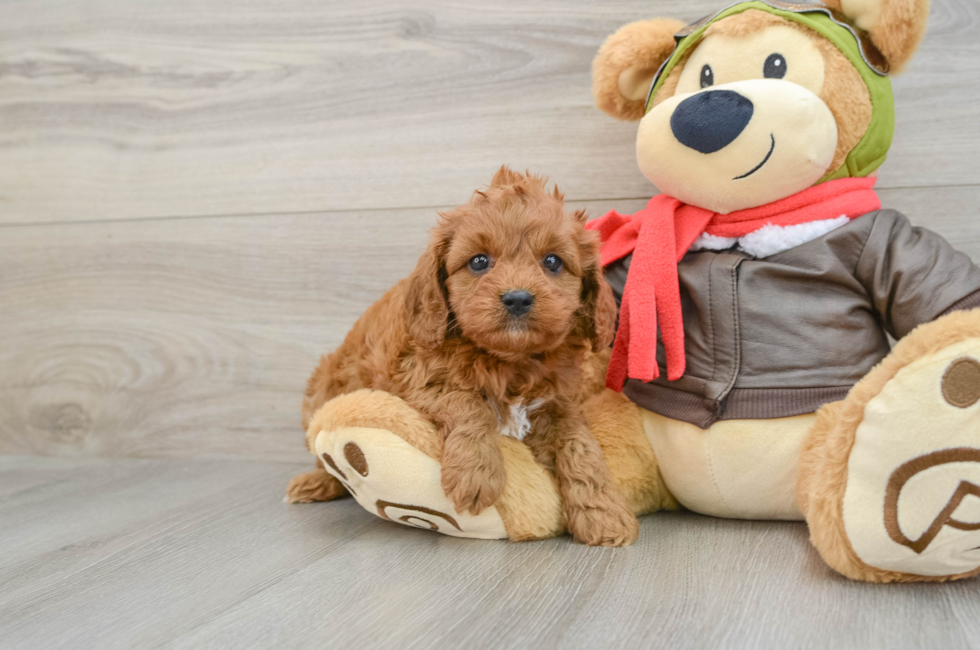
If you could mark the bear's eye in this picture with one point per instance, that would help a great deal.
(775, 67)
(552, 262)
(479, 263)
(707, 76)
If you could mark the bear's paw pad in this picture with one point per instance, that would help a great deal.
(912, 502)
(397, 482)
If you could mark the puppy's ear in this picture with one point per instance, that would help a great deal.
(895, 26)
(596, 317)
(626, 64)
(427, 299)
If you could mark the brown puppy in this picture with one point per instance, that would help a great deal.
(489, 335)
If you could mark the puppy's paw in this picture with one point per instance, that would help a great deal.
(394, 479)
(473, 489)
(314, 486)
(611, 525)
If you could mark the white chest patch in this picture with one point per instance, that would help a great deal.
(771, 239)
(516, 422)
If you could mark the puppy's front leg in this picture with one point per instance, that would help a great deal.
(473, 474)
(595, 511)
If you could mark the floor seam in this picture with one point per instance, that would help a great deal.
(353, 210)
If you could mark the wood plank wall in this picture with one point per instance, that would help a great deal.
(197, 198)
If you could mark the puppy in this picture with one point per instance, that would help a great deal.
(488, 335)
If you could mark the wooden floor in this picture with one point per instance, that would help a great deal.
(146, 553)
(198, 197)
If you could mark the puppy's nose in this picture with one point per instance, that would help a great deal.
(710, 121)
(517, 302)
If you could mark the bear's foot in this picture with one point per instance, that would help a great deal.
(890, 480)
(386, 455)
(395, 481)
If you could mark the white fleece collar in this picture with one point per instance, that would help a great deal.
(769, 239)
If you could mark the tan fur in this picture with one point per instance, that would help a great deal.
(669, 86)
(594, 510)
(843, 91)
(741, 24)
(745, 23)
(362, 408)
(530, 505)
(642, 46)
(442, 341)
(899, 29)
(376, 409)
(616, 423)
(822, 473)
(846, 96)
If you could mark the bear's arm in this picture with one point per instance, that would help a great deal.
(913, 275)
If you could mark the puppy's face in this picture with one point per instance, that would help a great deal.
(518, 273)
(515, 274)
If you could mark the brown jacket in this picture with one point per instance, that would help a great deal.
(782, 335)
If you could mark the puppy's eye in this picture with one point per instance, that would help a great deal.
(479, 263)
(707, 76)
(774, 67)
(552, 263)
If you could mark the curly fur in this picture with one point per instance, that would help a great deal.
(616, 423)
(442, 340)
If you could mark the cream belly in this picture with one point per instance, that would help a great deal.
(740, 469)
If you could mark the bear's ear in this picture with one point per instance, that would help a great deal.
(895, 26)
(627, 62)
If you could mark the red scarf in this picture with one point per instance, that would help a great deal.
(660, 235)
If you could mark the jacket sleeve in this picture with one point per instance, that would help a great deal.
(913, 275)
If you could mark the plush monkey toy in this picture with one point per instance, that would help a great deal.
(752, 375)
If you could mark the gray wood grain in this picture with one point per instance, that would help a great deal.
(197, 198)
(119, 110)
(125, 553)
(194, 337)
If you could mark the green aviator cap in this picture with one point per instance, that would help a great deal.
(870, 152)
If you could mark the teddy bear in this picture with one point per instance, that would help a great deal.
(773, 278)
(752, 375)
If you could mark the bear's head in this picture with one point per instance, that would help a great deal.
(761, 100)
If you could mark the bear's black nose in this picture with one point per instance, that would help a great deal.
(710, 120)
(517, 302)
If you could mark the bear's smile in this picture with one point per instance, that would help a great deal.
(772, 147)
